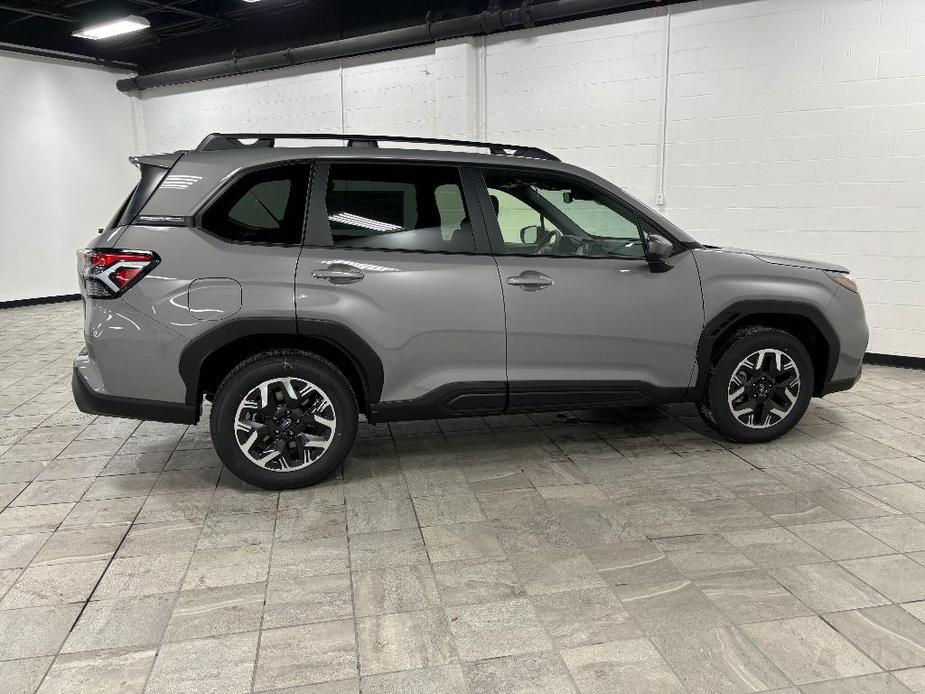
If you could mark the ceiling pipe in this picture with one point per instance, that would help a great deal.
(489, 21)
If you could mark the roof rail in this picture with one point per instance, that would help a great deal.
(217, 141)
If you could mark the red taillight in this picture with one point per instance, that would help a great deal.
(106, 273)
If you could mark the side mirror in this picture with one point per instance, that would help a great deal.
(530, 235)
(658, 250)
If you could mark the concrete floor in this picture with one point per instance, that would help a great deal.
(555, 553)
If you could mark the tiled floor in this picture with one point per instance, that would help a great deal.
(570, 552)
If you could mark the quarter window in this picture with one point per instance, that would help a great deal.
(398, 207)
(266, 206)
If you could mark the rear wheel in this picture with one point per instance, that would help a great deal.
(283, 419)
(759, 387)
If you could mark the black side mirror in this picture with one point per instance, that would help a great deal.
(530, 235)
(658, 251)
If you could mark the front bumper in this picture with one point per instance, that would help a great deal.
(93, 402)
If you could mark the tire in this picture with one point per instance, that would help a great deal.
(767, 386)
(294, 402)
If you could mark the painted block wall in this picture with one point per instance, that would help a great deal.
(791, 126)
(67, 136)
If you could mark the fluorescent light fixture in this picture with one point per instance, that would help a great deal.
(117, 27)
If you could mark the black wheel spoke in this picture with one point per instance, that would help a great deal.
(763, 388)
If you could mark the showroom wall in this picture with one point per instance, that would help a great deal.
(67, 135)
(792, 126)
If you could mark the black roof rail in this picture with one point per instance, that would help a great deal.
(217, 141)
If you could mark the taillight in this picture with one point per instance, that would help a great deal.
(109, 272)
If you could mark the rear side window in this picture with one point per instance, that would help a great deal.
(266, 206)
(151, 177)
(398, 207)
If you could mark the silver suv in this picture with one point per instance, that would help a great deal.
(299, 287)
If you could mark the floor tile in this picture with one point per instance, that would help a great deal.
(827, 587)
(719, 661)
(703, 555)
(539, 673)
(583, 617)
(443, 679)
(879, 683)
(841, 540)
(555, 571)
(617, 666)
(291, 601)
(897, 577)
(461, 541)
(23, 676)
(773, 547)
(54, 584)
(890, 635)
(494, 630)
(661, 608)
(219, 665)
(750, 596)
(807, 650)
(99, 671)
(404, 641)
(213, 611)
(396, 589)
(902, 533)
(631, 563)
(210, 568)
(143, 575)
(371, 551)
(35, 631)
(284, 661)
(130, 623)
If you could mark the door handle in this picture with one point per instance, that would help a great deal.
(530, 281)
(339, 273)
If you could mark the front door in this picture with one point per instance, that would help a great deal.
(392, 256)
(588, 321)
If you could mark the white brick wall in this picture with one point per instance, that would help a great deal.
(793, 126)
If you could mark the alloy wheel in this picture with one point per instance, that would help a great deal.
(764, 388)
(285, 424)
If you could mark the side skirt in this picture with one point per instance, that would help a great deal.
(497, 397)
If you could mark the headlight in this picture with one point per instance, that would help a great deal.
(844, 279)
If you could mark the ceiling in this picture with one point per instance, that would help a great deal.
(187, 32)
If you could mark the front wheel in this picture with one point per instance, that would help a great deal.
(283, 419)
(759, 387)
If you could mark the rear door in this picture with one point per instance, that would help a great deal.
(392, 255)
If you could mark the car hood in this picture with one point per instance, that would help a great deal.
(784, 260)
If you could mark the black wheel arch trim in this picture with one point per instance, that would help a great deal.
(367, 363)
(723, 322)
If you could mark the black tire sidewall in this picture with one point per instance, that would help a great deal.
(717, 388)
(242, 380)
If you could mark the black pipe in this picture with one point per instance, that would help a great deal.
(60, 55)
(483, 23)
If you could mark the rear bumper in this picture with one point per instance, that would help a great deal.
(841, 384)
(94, 402)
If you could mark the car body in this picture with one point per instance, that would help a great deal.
(446, 310)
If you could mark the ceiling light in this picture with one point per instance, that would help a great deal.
(117, 27)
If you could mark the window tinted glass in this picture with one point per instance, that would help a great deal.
(399, 207)
(552, 215)
(267, 206)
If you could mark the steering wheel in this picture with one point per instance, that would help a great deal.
(547, 237)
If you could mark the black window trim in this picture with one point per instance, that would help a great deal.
(226, 185)
(494, 230)
(318, 234)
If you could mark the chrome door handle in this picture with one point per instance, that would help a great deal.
(530, 281)
(339, 273)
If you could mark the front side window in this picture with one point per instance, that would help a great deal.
(266, 206)
(398, 207)
(554, 215)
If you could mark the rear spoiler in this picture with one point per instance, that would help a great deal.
(160, 161)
